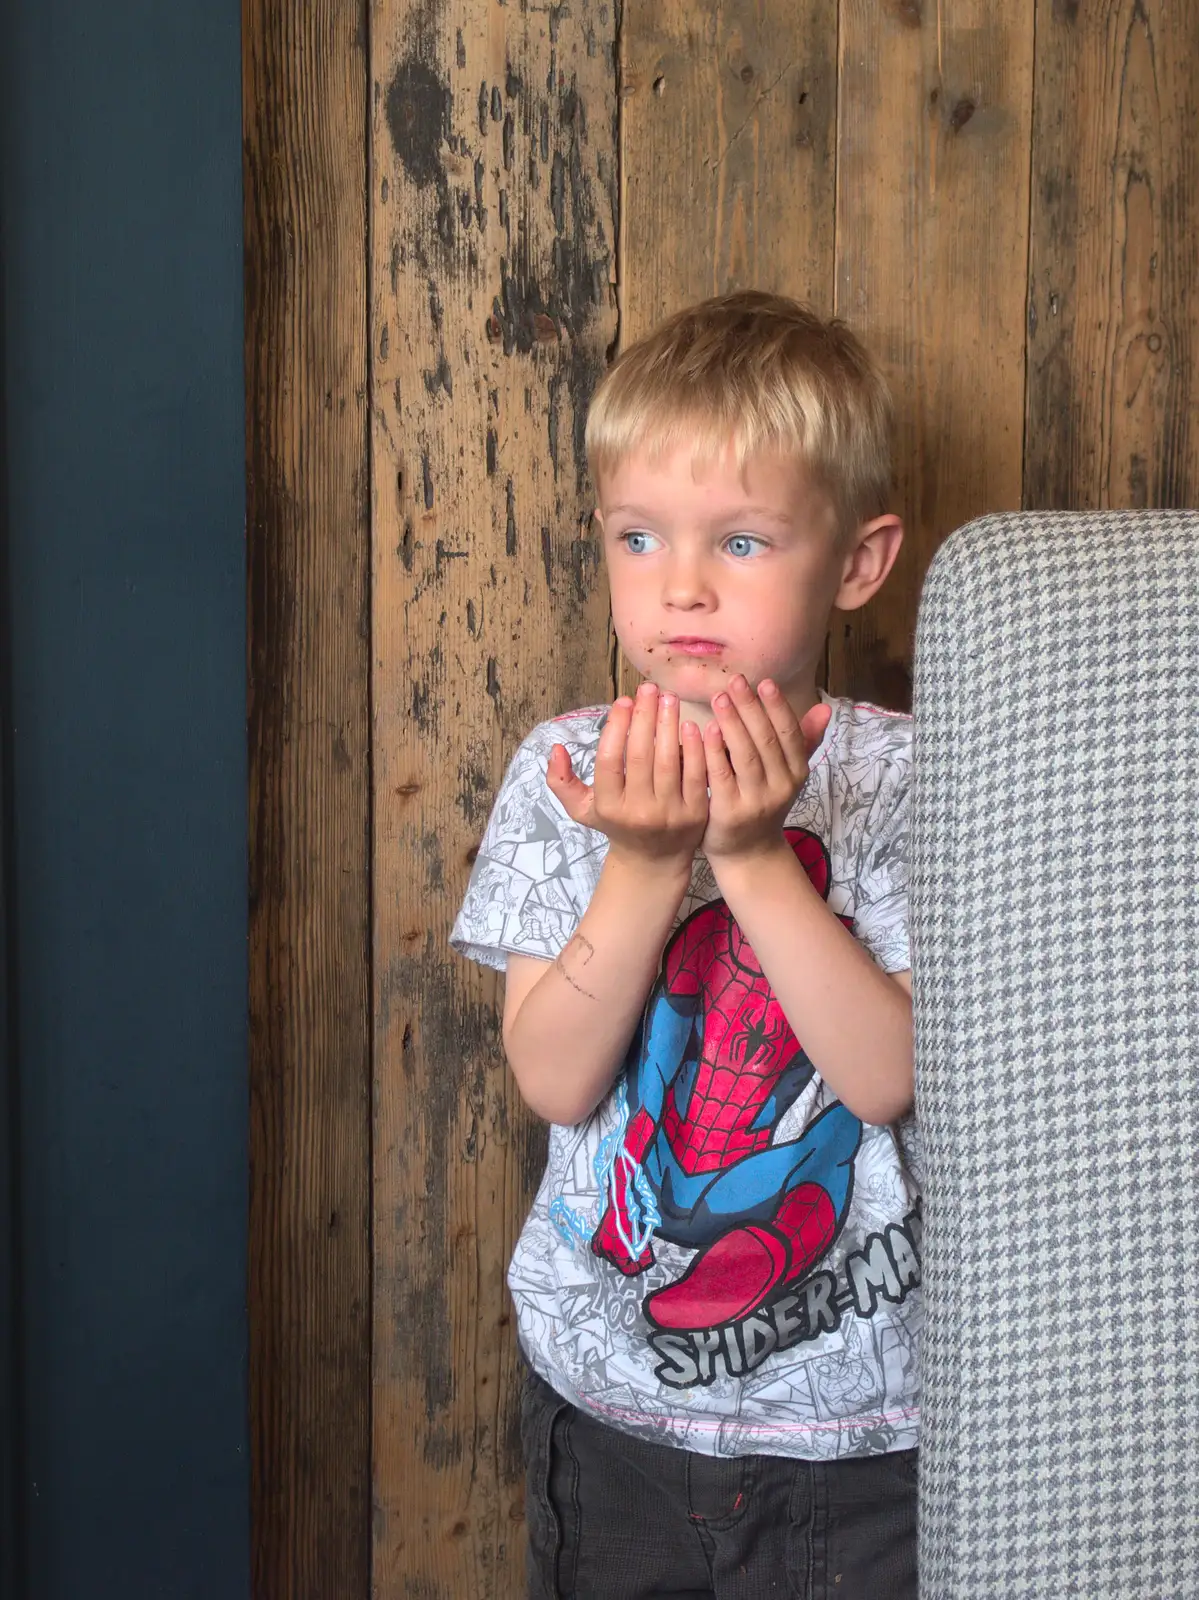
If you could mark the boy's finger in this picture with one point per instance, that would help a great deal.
(739, 743)
(574, 796)
(695, 768)
(760, 725)
(787, 727)
(666, 748)
(610, 752)
(722, 780)
(639, 751)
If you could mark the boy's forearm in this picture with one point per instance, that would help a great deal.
(569, 1037)
(853, 1020)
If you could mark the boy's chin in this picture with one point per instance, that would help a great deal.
(691, 678)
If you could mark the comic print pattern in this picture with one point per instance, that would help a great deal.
(722, 1255)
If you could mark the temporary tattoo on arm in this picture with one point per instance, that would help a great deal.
(585, 950)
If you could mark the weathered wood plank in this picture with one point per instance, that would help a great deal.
(493, 222)
(932, 256)
(728, 127)
(1113, 318)
(728, 117)
(305, 102)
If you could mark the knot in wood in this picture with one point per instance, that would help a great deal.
(961, 114)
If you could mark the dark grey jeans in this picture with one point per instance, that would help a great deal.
(613, 1518)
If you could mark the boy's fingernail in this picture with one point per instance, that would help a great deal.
(667, 700)
(722, 701)
(646, 690)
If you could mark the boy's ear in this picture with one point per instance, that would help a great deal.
(870, 558)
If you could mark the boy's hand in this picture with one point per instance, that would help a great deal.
(650, 794)
(757, 758)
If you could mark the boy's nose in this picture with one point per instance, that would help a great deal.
(687, 587)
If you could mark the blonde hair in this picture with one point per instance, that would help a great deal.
(762, 373)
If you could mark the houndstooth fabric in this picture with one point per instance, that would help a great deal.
(1055, 932)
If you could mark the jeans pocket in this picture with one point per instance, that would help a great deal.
(541, 1411)
(863, 1528)
(903, 1465)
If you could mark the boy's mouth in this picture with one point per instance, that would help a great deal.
(693, 646)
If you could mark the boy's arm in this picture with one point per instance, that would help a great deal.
(853, 1020)
(568, 1023)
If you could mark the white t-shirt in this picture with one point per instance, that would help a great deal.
(721, 1257)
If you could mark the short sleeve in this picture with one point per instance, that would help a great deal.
(881, 900)
(536, 869)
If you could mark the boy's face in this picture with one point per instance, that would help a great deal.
(716, 571)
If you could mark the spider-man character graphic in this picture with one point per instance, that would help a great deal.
(714, 1068)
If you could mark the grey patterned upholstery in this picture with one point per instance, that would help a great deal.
(1055, 923)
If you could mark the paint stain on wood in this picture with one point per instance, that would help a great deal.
(418, 118)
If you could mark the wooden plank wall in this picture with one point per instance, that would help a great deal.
(459, 208)
(494, 205)
(1113, 314)
(309, 532)
(934, 109)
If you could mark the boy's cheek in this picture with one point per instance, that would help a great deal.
(628, 635)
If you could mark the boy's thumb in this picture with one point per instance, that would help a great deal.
(569, 790)
(815, 724)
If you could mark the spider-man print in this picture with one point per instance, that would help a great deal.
(713, 1070)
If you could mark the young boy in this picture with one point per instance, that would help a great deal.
(699, 898)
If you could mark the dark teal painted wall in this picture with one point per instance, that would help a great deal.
(123, 502)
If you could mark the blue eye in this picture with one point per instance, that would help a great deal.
(638, 542)
(742, 545)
